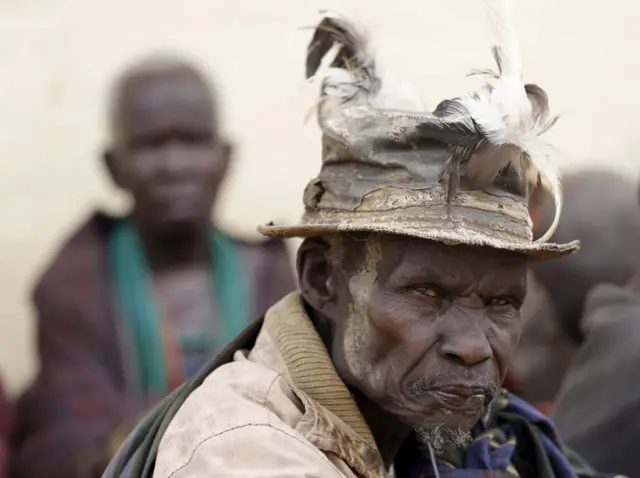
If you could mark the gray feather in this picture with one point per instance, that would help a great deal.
(354, 46)
(451, 124)
(488, 162)
(450, 175)
(540, 107)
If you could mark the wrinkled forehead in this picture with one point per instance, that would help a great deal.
(453, 264)
(165, 100)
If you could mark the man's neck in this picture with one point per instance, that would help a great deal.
(387, 431)
(175, 247)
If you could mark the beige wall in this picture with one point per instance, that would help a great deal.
(56, 58)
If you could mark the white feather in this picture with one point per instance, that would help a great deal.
(397, 94)
(501, 18)
(340, 86)
(325, 65)
(504, 111)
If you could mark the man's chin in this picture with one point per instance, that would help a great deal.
(448, 419)
(440, 437)
(177, 211)
(428, 413)
(441, 427)
(175, 220)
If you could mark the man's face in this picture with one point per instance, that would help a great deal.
(426, 330)
(168, 155)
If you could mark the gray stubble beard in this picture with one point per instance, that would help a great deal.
(441, 438)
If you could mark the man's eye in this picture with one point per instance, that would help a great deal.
(428, 291)
(501, 301)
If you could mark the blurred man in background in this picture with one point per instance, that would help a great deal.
(132, 306)
(598, 409)
(601, 210)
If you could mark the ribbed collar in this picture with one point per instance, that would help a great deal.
(311, 371)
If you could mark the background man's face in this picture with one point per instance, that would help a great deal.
(168, 154)
(426, 330)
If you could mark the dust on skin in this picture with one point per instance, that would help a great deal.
(419, 331)
(357, 333)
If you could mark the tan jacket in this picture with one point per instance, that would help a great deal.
(279, 410)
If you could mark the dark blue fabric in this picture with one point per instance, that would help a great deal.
(495, 445)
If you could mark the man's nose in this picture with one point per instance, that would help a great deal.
(174, 157)
(466, 346)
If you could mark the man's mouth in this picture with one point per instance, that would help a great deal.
(460, 398)
(174, 191)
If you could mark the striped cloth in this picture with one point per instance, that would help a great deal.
(518, 441)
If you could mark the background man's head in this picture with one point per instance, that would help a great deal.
(166, 150)
(423, 330)
(601, 210)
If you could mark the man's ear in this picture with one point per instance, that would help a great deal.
(227, 149)
(110, 163)
(315, 275)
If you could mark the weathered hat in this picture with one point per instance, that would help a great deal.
(462, 174)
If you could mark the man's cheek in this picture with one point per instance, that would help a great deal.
(504, 345)
(389, 316)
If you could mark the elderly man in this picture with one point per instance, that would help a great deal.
(412, 273)
(133, 306)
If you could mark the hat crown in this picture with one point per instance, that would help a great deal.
(365, 149)
(461, 174)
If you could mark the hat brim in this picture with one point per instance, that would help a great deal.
(423, 228)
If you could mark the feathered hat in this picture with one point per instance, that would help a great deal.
(462, 174)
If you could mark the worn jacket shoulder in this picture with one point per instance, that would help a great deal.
(241, 395)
